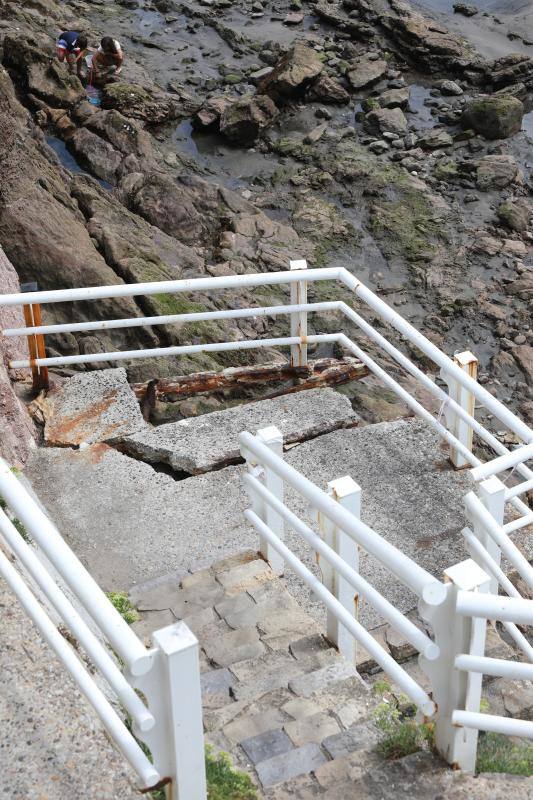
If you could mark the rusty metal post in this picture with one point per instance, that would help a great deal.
(36, 346)
(299, 318)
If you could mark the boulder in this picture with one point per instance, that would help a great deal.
(208, 116)
(494, 117)
(496, 172)
(515, 214)
(95, 154)
(244, 120)
(293, 72)
(465, 10)
(510, 70)
(363, 72)
(435, 138)
(524, 358)
(449, 88)
(394, 98)
(27, 55)
(327, 90)
(124, 134)
(140, 102)
(386, 119)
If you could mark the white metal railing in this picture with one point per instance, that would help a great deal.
(456, 609)
(167, 675)
(268, 474)
(457, 404)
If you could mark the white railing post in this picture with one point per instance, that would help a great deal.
(298, 318)
(457, 426)
(453, 689)
(273, 438)
(492, 495)
(348, 494)
(175, 698)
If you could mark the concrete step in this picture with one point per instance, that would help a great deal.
(211, 441)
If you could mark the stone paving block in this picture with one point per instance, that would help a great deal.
(199, 621)
(216, 681)
(273, 588)
(288, 765)
(235, 560)
(303, 787)
(152, 621)
(400, 649)
(152, 594)
(300, 707)
(210, 441)
(266, 745)
(217, 718)
(359, 737)
(255, 668)
(96, 406)
(348, 691)
(260, 612)
(194, 599)
(202, 579)
(294, 622)
(312, 729)
(305, 685)
(234, 646)
(234, 605)
(314, 643)
(250, 725)
(246, 576)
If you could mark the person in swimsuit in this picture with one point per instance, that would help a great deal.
(106, 62)
(71, 47)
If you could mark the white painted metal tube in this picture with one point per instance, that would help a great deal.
(129, 698)
(111, 721)
(506, 416)
(519, 639)
(171, 319)
(497, 465)
(390, 613)
(520, 488)
(516, 524)
(492, 606)
(169, 287)
(412, 575)
(178, 350)
(123, 640)
(497, 667)
(490, 722)
(475, 547)
(432, 387)
(386, 661)
(410, 401)
(474, 505)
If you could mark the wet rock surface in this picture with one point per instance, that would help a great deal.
(362, 160)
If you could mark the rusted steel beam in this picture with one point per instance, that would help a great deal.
(323, 372)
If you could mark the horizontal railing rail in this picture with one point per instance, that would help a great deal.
(167, 675)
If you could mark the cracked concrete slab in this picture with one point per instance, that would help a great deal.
(211, 441)
(91, 407)
(130, 523)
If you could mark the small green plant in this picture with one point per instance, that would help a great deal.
(499, 753)
(124, 606)
(224, 782)
(402, 735)
(16, 522)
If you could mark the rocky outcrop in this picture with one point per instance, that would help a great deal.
(510, 70)
(16, 428)
(515, 214)
(293, 73)
(428, 43)
(246, 119)
(140, 102)
(327, 90)
(494, 117)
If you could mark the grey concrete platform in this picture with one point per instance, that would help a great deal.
(129, 523)
(91, 407)
(211, 441)
(52, 745)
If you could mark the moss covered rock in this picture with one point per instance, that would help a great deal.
(496, 117)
